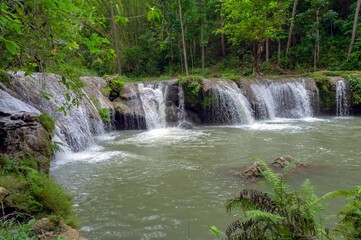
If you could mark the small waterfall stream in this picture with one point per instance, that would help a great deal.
(75, 129)
(153, 102)
(342, 100)
(283, 100)
(229, 105)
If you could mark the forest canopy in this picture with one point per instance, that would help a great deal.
(169, 37)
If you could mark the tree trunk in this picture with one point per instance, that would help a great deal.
(291, 27)
(183, 40)
(279, 52)
(116, 41)
(202, 46)
(354, 29)
(318, 36)
(223, 44)
(315, 59)
(267, 50)
(256, 59)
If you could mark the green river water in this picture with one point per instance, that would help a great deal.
(173, 183)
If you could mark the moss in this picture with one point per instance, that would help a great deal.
(48, 122)
(192, 86)
(327, 96)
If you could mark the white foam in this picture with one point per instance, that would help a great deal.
(93, 154)
(163, 136)
(270, 127)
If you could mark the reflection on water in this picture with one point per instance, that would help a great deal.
(173, 183)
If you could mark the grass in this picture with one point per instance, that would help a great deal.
(34, 193)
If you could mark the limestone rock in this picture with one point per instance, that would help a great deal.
(23, 137)
(253, 172)
(283, 162)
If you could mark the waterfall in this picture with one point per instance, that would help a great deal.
(282, 99)
(183, 114)
(153, 98)
(9, 104)
(229, 105)
(80, 123)
(342, 105)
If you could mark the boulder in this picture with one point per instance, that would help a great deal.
(24, 138)
(47, 229)
(253, 172)
(284, 161)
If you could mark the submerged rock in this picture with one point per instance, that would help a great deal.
(253, 172)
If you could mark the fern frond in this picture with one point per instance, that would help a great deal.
(334, 194)
(233, 204)
(259, 216)
(259, 201)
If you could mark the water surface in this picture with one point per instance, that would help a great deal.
(173, 183)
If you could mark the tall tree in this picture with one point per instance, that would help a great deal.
(354, 29)
(290, 32)
(253, 22)
(183, 38)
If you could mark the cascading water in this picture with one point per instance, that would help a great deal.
(182, 111)
(153, 98)
(342, 105)
(9, 104)
(284, 100)
(77, 128)
(229, 105)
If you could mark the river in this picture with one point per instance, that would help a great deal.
(173, 184)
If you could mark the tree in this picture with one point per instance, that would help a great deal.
(291, 26)
(354, 29)
(253, 22)
(183, 39)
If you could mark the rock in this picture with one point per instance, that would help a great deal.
(27, 117)
(185, 125)
(253, 172)
(25, 139)
(4, 193)
(43, 225)
(72, 234)
(283, 161)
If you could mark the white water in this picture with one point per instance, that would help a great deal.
(285, 100)
(9, 104)
(342, 105)
(75, 129)
(229, 105)
(153, 98)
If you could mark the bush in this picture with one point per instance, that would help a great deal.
(48, 122)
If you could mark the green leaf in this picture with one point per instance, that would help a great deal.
(12, 47)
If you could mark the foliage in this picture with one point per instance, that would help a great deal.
(104, 114)
(327, 95)
(10, 229)
(349, 225)
(282, 213)
(33, 193)
(192, 86)
(355, 87)
(48, 122)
